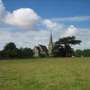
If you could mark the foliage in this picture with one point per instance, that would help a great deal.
(10, 51)
(24, 53)
(82, 53)
(62, 47)
(58, 51)
(78, 53)
(86, 52)
(68, 41)
(9, 46)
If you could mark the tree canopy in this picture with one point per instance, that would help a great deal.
(68, 40)
(62, 47)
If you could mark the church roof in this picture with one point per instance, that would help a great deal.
(41, 48)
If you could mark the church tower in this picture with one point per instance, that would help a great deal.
(50, 45)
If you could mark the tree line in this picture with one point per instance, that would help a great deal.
(82, 53)
(61, 48)
(11, 51)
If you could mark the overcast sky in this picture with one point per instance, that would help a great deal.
(29, 22)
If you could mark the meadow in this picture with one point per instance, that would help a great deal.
(45, 74)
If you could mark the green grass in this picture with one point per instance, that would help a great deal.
(45, 74)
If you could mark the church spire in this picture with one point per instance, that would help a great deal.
(50, 45)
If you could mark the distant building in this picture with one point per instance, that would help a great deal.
(50, 45)
(40, 51)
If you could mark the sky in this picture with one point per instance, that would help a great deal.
(29, 22)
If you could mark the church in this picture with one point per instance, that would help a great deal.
(43, 51)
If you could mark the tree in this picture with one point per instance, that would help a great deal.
(10, 46)
(86, 52)
(25, 53)
(78, 53)
(10, 50)
(58, 50)
(64, 45)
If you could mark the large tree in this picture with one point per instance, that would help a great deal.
(10, 50)
(10, 46)
(63, 46)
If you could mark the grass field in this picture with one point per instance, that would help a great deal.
(45, 74)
